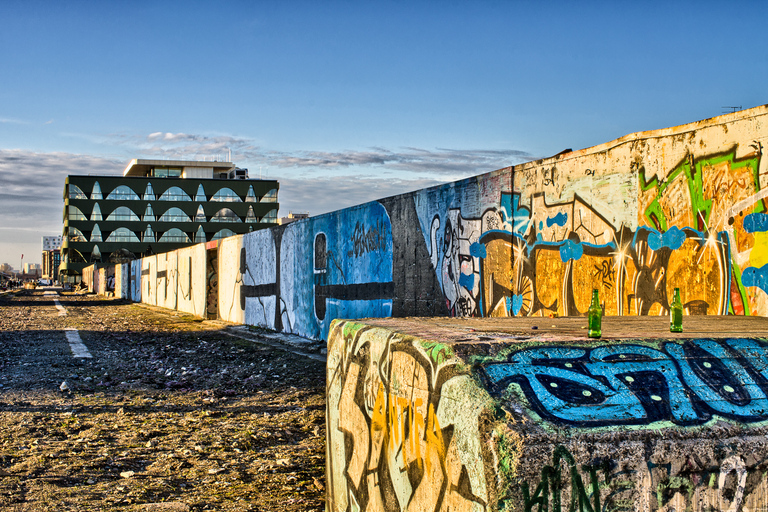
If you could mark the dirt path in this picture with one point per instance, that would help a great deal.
(169, 413)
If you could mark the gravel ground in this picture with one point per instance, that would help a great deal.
(170, 414)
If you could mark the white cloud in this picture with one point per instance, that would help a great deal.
(448, 163)
(31, 191)
(414, 160)
(8, 120)
(326, 194)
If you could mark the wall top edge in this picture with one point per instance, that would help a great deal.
(724, 119)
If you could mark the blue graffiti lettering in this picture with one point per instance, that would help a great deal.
(756, 222)
(467, 281)
(563, 392)
(686, 383)
(477, 250)
(673, 238)
(719, 380)
(758, 277)
(558, 220)
(571, 250)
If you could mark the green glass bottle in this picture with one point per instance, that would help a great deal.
(676, 313)
(595, 316)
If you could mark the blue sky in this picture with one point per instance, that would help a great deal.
(345, 102)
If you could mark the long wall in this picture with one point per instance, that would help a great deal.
(635, 218)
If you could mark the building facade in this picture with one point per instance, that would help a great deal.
(158, 206)
(51, 262)
(51, 256)
(52, 243)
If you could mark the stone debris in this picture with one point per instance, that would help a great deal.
(171, 413)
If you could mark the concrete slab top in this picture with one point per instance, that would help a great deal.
(570, 329)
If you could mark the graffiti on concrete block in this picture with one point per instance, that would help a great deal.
(687, 383)
(601, 484)
(548, 493)
(401, 434)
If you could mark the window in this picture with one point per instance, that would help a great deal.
(75, 235)
(96, 213)
(166, 172)
(200, 196)
(251, 197)
(123, 193)
(200, 235)
(200, 215)
(75, 256)
(149, 235)
(123, 214)
(224, 233)
(149, 194)
(96, 234)
(175, 194)
(225, 215)
(250, 217)
(74, 213)
(149, 215)
(96, 193)
(76, 193)
(122, 235)
(226, 195)
(174, 215)
(270, 217)
(270, 197)
(174, 235)
(95, 253)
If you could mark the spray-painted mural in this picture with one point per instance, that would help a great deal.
(518, 248)
(299, 278)
(626, 384)
(401, 433)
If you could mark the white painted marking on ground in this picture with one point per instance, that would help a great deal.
(79, 350)
(62, 310)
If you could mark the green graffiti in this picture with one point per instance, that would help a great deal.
(437, 352)
(548, 493)
(693, 172)
(349, 330)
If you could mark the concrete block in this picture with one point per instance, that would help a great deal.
(529, 414)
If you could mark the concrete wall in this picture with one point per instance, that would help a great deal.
(471, 418)
(634, 218)
(191, 280)
(681, 207)
(123, 281)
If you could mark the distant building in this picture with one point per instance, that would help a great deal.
(51, 262)
(292, 217)
(52, 243)
(33, 269)
(158, 206)
(51, 256)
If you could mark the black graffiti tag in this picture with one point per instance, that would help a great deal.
(371, 240)
(606, 273)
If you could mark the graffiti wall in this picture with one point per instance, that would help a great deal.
(635, 218)
(123, 280)
(191, 280)
(642, 215)
(489, 424)
(300, 277)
